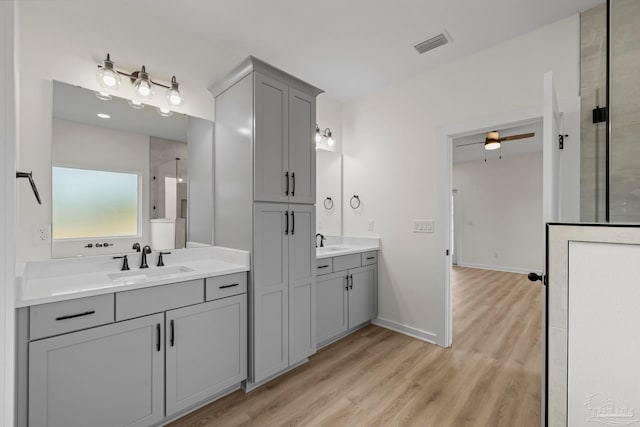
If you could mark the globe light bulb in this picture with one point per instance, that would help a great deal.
(174, 96)
(108, 77)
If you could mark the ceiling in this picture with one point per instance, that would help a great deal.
(352, 47)
(509, 149)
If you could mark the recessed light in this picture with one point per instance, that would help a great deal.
(103, 116)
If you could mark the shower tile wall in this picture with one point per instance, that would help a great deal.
(593, 25)
(624, 112)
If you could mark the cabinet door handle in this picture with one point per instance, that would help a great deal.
(228, 286)
(351, 276)
(347, 287)
(286, 178)
(73, 316)
(293, 188)
(371, 257)
(158, 337)
(323, 266)
(172, 333)
(293, 222)
(286, 227)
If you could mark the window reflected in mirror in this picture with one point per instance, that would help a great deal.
(94, 203)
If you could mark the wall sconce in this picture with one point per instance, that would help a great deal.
(326, 135)
(109, 78)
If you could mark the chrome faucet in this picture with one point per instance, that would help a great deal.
(322, 239)
(146, 250)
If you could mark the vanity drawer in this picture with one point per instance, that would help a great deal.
(66, 316)
(324, 266)
(346, 262)
(225, 286)
(369, 258)
(140, 302)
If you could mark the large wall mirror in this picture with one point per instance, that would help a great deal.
(126, 173)
(328, 193)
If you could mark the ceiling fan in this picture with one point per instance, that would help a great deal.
(493, 140)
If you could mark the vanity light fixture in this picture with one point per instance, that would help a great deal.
(174, 96)
(324, 136)
(107, 75)
(329, 136)
(109, 78)
(142, 83)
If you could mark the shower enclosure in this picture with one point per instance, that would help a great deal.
(610, 128)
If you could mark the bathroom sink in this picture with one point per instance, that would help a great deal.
(141, 276)
(334, 248)
(330, 249)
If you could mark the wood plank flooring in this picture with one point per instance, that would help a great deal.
(376, 377)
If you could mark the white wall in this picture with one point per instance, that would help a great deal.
(390, 155)
(329, 115)
(92, 147)
(501, 213)
(328, 184)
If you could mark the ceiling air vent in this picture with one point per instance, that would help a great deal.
(434, 42)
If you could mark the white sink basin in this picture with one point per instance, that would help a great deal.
(333, 248)
(140, 276)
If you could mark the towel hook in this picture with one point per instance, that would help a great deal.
(33, 184)
(355, 201)
(328, 203)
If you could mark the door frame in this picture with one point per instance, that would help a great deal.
(8, 150)
(445, 138)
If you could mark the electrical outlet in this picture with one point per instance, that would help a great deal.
(422, 226)
(370, 225)
(41, 234)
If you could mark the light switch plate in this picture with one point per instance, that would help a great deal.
(423, 226)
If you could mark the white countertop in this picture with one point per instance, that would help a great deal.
(337, 246)
(47, 281)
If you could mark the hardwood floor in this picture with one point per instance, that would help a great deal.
(376, 377)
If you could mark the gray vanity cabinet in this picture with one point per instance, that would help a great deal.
(284, 287)
(332, 305)
(206, 350)
(110, 375)
(270, 323)
(361, 295)
(302, 147)
(302, 280)
(271, 102)
(345, 299)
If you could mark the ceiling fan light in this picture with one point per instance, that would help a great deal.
(493, 135)
(491, 144)
(108, 77)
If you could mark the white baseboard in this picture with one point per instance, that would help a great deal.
(406, 330)
(500, 268)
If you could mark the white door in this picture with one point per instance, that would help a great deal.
(551, 128)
